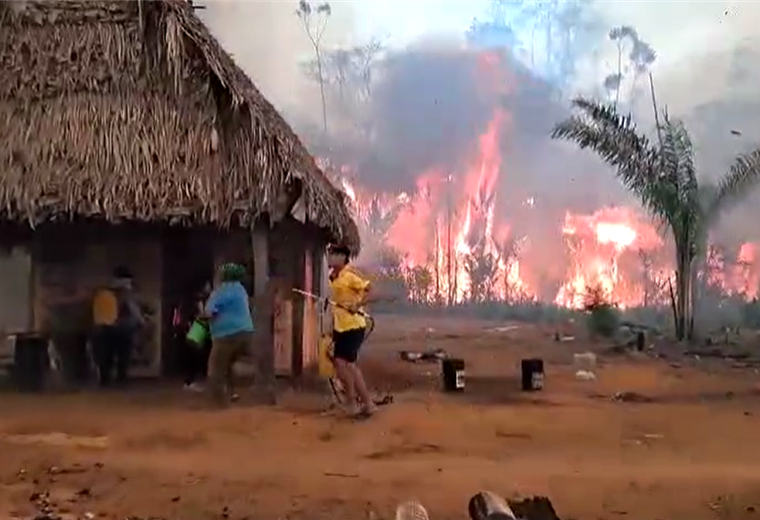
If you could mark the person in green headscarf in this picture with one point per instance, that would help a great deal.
(231, 326)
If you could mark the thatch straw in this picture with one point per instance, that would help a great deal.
(127, 111)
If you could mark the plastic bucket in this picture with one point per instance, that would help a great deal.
(198, 333)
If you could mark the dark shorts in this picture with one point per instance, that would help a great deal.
(346, 344)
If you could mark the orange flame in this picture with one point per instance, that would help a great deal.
(452, 247)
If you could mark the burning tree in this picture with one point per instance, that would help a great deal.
(418, 283)
(481, 267)
(652, 286)
(663, 176)
(391, 274)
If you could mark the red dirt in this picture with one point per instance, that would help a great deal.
(690, 454)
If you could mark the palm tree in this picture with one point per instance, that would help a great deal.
(663, 176)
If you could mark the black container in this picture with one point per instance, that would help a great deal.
(532, 374)
(30, 362)
(452, 371)
(641, 340)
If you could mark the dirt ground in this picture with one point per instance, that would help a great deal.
(691, 452)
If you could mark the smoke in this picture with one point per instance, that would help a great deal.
(726, 125)
(426, 109)
(268, 41)
(429, 102)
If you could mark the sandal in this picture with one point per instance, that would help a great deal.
(365, 413)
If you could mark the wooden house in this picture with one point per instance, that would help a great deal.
(129, 137)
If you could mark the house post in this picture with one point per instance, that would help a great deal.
(263, 303)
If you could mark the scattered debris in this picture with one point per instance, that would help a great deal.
(428, 356)
(562, 338)
(719, 353)
(341, 475)
(535, 508)
(504, 329)
(631, 397)
(55, 470)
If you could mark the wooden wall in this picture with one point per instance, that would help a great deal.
(15, 290)
(293, 249)
(69, 266)
(310, 313)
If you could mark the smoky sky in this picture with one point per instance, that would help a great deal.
(726, 126)
(426, 108)
(430, 105)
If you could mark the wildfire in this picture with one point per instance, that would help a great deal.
(450, 245)
(597, 244)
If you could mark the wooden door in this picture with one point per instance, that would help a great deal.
(283, 335)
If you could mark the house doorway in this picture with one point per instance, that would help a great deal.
(188, 262)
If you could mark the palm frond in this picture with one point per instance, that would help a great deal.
(678, 186)
(677, 155)
(743, 175)
(615, 139)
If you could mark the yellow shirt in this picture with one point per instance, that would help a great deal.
(348, 289)
(105, 308)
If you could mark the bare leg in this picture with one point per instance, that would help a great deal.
(361, 388)
(346, 375)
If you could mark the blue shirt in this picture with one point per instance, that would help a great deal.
(229, 310)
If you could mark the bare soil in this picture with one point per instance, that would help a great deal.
(686, 448)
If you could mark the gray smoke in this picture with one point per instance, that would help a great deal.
(426, 110)
(268, 41)
(430, 101)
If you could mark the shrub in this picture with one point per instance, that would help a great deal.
(603, 318)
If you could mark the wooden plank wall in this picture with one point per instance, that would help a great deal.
(15, 290)
(285, 244)
(283, 335)
(310, 313)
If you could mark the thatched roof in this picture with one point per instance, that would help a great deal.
(132, 111)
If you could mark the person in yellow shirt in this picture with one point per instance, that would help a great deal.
(349, 294)
(116, 317)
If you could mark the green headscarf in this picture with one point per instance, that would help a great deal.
(232, 272)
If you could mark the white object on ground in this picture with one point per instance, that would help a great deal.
(504, 329)
(585, 375)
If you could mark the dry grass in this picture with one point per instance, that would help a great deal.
(133, 111)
